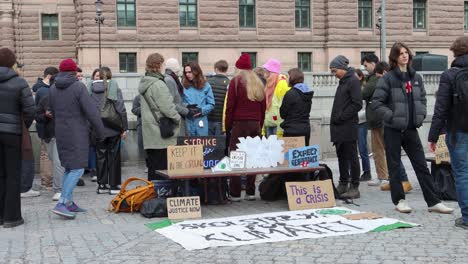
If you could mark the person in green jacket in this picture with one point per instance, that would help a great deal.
(154, 91)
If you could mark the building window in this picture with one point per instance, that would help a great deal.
(419, 14)
(247, 13)
(188, 13)
(302, 13)
(466, 15)
(253, 58)
(126, 13)
(365, 14)
(189, 56)
(127, 62)
(304, 61)
(50, 27)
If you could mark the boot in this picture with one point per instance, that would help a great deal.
(342, 187)
(366, 176)
(352, 193)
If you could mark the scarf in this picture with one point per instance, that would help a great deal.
(179, 85)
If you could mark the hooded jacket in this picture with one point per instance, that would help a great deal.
(373, 120)
(72, 108)
(42, 91)
(16, 102)
(295, 110)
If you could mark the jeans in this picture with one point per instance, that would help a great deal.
(348, 162)
(215, 128)
(411, 143)
(458, 148)
(362, 144)
(70, 179)
(27, 175)
(92, 157)
(58, 169)
(270, 131)
(403, 175)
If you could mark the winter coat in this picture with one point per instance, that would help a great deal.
(98, 95)
(390, 100)
(272, 115)
(136, 109)
(295, 110)
(204, 99)
(154, 87)
(42, 90)
(443, 109)
(346, 105)
(16, 102)
(46, 125)
(72, 109)
(219, 84)
(373, 120)
(172, 85)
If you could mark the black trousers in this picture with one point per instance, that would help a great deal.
(108, 162)
(157, 160)
(10, 178)
(411, 143)
(348, 162)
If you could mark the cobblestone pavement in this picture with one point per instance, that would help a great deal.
(99, 236)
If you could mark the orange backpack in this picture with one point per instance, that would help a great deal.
(131, 200)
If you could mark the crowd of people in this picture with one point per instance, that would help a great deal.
(83, 125)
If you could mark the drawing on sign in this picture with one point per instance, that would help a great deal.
(261, 152)
(442, 153)
(184, 207)
(304, 157)
(184, 159)
(213, 148)
(237, 159)
(310, 195)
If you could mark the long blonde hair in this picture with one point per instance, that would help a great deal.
(253, 85)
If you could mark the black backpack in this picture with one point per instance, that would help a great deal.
(460, 100)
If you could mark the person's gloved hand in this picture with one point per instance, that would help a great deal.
(194, 112)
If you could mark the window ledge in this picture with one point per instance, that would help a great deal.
(419, 30)
(247, 29)
(132, 30)
(304, 29)
(365, 29)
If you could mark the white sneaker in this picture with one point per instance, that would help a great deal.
(440, 208)
(249, 197)
(146, 170)
(94, 178)
(374, 182)
(403, 207)
(56, 196)
(235, 199)
(30, 193)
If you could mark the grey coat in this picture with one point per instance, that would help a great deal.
(180, 106)
(73, 108)
(390, 100)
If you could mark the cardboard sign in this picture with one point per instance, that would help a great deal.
(213, 148)
(441, 152)
(237, 159)
(361, 216)
(183, 207)
(291, 143)
(304, 157)
(184, 159)
(310, 195)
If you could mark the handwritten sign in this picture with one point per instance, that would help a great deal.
(213, 148)
(184, 159)
(310, 195)
(304, 157)
(183, 207)
(441, 152)
(291, 143)
(237, 159)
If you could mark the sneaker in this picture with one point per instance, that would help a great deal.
(235, 199)
(407, 186)
(374, 182)
(80, 182)
(460, 223)
(61, 209)
(366, 176)
(94, 178)
(13, 224)
(102, 188)
(403, 207)
(56, 196)
(73, 207)
(114, 190)
(352, 193)
(440, 208)
(30, 193)
(249, 197)
(342, 188)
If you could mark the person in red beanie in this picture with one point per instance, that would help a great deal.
(72, 108)
(245, 113)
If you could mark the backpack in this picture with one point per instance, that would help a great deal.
(213, 190)
(460, 100)
(132, 200)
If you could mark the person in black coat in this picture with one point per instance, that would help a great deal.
(344, 125)
(16, 108)
(295, 108)
(72, 108)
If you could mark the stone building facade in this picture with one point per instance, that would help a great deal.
(332, 27)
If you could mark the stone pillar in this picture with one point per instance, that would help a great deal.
(6, 24)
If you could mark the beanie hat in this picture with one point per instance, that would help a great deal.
(339, 62)
(173, 65)
(272, 65)
(68, 65)
(243, 63)
(7, 58)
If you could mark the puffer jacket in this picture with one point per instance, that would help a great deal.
(390, 100)
(16, 102)
(295, 110)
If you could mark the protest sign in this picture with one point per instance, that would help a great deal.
(310, 195)
(184, 207)
(441, 153)
(237, 159)
(213, 148)
(291, 143)
(184, 159)
(304, 157)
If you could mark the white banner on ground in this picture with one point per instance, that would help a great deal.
(270, 227)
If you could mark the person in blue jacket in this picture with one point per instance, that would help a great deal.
(199, 99)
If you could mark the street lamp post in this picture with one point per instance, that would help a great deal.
(99, 20)
(379, 27)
